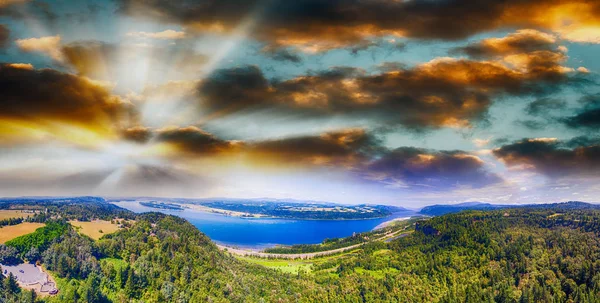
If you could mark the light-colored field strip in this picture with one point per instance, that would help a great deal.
(249, 253)
(11, 213)
(95, 229)
(8, 233)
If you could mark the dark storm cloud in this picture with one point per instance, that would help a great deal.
(4, 36)
(49, 94)
(282, 54)
(588, 117)
(554, 158)
(388, 47)
(363, 154)
(532, 124)
(543, 106)
(193, 140)
(234, 89)
(442, 169)
(523, 41)
(440, 93)
(137, 134)
(340, 23)
(348, 148)
(354, 150)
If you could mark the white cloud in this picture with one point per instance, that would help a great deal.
(164, 35)
(49, 45)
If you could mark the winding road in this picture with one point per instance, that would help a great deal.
(250, 253)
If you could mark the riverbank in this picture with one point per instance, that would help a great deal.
(266, 232)
(260, 254)
(390, 222)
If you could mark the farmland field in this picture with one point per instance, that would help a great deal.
(8, 233)
(95, 229)
(10, 213)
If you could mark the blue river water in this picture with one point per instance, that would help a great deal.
(266, 232)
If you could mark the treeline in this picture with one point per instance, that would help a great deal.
(11, 221)
(535, 254)
(37, 217)
(75, 208)
(41, 238)
(11, 293)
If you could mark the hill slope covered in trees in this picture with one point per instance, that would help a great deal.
(538, 254)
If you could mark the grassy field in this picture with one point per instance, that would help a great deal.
(288, 266)
(11, 213)
(293, 266)
(8, 233)
(95, 229)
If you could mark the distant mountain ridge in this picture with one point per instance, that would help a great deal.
(442, 209)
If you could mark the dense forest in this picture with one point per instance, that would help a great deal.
(537, 254)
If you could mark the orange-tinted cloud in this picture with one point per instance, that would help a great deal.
(352, 150)
(417, 167)
(4, 3)
(49, 45)
(316, 25)
(47, 100)
(554, 158)
(522, 41)
(194, 141)
(345, 148)
(444, 92)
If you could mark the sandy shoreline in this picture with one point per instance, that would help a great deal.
(260, 254)
(387, 223)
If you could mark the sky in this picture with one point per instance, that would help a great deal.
(406, 103)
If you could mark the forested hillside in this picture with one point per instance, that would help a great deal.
(542, 254)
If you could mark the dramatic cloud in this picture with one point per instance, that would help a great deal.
(193, 140)
(444, 92)
(48, 99)
(137, 134)
(409, 166)
(544, 106)
(315, 25)
(347, 148)
(552, 157)
(48, 45)
(240, 96)
(363, 154)
(282, 54)
(353, 150)
(523, 41)
(229, 90)
(164, 35)
(587, 117)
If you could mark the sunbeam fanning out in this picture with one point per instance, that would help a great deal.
(299, 151)
(353, 102)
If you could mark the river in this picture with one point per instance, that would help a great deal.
(258, 233)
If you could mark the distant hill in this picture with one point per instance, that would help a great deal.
(442, 209)
(279, 208)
